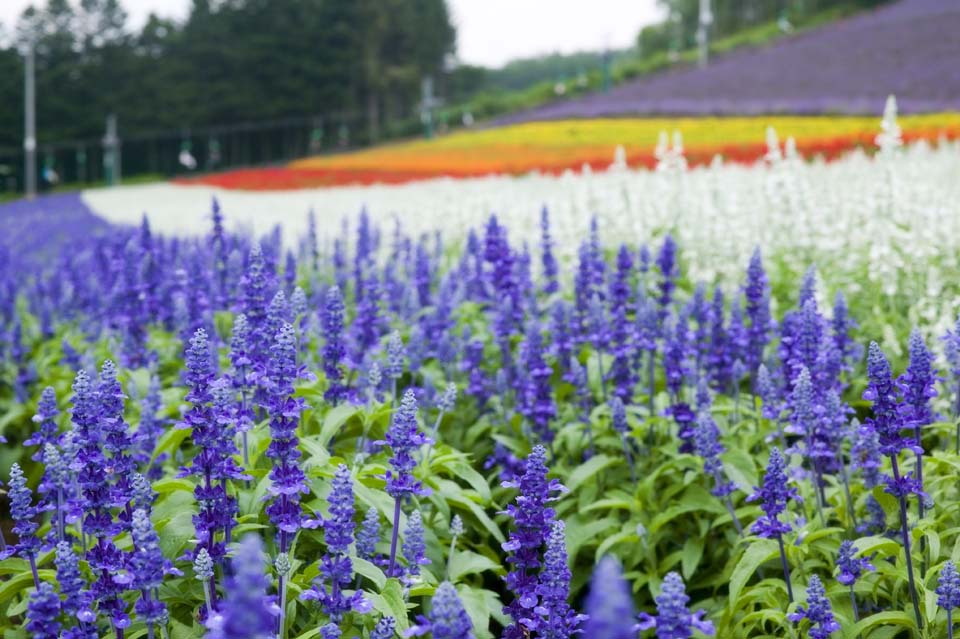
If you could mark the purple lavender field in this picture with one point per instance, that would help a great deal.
(910, 48)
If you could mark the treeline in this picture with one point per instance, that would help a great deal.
(231, 61)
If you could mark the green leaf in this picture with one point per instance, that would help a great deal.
(757, 553)
(389, 601)
(334, 420)
(587, 470)
(892, 617)
(479, 604)
(466, 562)
(691, 554)
(370, 571)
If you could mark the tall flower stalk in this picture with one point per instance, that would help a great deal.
(774, 496)
(887, 421)
(404, 437)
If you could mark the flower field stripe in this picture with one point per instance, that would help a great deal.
(555, 147)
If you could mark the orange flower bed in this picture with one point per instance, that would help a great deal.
(554, 147)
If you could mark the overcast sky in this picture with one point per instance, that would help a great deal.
(489, 32)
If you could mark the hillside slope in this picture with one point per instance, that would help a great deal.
(909, 48)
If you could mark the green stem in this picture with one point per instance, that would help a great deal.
(905, 532)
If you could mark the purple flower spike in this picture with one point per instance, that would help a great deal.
(333, 348)
(533, 519)
(288, 479)
(774, 497)
(609, 606)
(674, 620)
(757, 295)
(404, 437)
(43, 612)
(448, 618)
(47, 430)
(414, 547)
(557, 619)
(76, 599)
(369, 536)
(948, 587)
(246, 612)
(336, 569)
(817, 611)
(850, 566)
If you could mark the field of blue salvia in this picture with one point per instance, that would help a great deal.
(378, 432)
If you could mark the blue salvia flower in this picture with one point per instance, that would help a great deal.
(882, 392)
(532, 519)
(757, 295)
(414, 547)
(674, 620)
(77, 599)
(117, 441)
(719, 359)
(56, 485)
(213, 462)
(948, 592)
(142, 493)
(369, 537)
(336, 569)
(396, 358)
(817, 611)
(548, 261)
(278, 313)
(708, 446)
(244, 377)
(95, 502)
(536, 395)
(203, 572)
(557, 619)
(918, 385)
(368, 323)
(618, 419)
(404, 437)
(769, 395)
(669, 270)
(448, 618)
(330, 631)
(333, 348)
(148, 568)
(478, 385)
(700, 311)
(298, 305)
(951, 348)
(609, 606)
(384, 628)
(288, 480)
(850, 566)
(253, 304)
(773, 496)
(621, 330)
(23, 512)
(48, 432)
(676, 368)
(842, 325)
(246, 612)
(43, 613)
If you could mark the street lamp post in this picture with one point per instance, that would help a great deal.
(703, 32)
(29, 124)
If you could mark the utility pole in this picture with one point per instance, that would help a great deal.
(29, 123)
(703, 32)
(111, 152)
